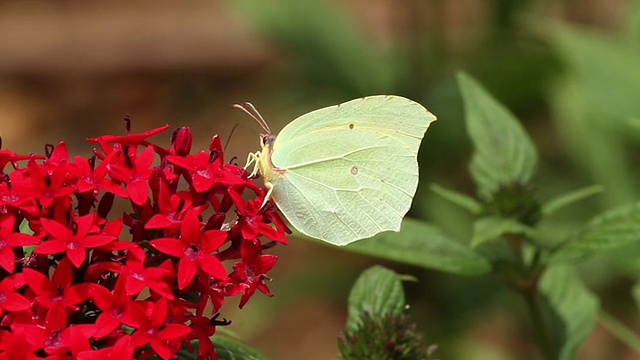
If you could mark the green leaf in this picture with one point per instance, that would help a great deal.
(422, 244)
(460, 199)
(632, 23)
(607, 68)
(620, 331)
(24, 227)
(229, 349)
(504, 154)
(328, 46)
(635, 292)
(492, 227)
(592, 146)
(226, 349)
(378, 292)
(573, 307)
(561, 201)
(612, 229)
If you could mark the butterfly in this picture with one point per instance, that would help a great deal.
(346, 172)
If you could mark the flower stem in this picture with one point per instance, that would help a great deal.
(541, 329)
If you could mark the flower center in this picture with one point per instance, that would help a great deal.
(117, 312)
(54, 340)
(173, 217)
(72, 244)
(10, 197)
(204, 172)
(192, 251)
(90, 180)
(138, 275)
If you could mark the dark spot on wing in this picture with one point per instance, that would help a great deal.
(350, 126)
(354, 170)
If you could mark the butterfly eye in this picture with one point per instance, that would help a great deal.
(268, 140)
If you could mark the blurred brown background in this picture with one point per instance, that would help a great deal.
(72, 69)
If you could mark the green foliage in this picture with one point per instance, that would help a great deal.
(378, 292)
(563, 200)
(229, 349)
(608, 70)
(596, 103)
(620, 331)
(377, 328)
(596, 113)
(226, 349)
(422, 244)
(503, 153)
(571, 312)
(505, 238)
(326, 44)
(460, 199)
(612, 229)
(494, 227)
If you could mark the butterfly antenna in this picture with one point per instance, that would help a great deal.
(248, 108)
(233, 129)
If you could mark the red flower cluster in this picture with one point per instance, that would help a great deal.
(74, 285)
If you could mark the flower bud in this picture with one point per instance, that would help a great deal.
(181, 140)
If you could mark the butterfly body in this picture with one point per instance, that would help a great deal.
(346, 172)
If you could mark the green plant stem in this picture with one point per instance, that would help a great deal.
(620, 331)
(526, 283)
(540, 328)
(515, 245)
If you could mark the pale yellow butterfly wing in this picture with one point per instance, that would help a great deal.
(350, 171)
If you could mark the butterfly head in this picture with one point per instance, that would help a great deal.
(267, 140)
(266, 167)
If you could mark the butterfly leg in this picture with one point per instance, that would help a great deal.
(268, 196)
(253, 158)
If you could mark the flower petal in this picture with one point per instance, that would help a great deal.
(186, 272)
(49, 247)
(169, 246)
(212, 266)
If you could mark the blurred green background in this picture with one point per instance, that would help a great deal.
(569, 69)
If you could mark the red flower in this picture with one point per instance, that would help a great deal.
(194, 250)
(121, 350)
(14, 345)
(46, 187)
(10, 299)
(73, 241)
(7, 156)
(57, 337)
(82, 293)
(250, 272)
(9, 239)
(136, 276)
(59, 288)
(56, 155)
(152, 329)
(117, 309)
(129, 139)
(206, 169)
(13, 196)
(91, 180)
(254, 220)
(135, 175)
(171, 210)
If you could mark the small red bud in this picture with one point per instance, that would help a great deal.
(181, 140)
(105, 204)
